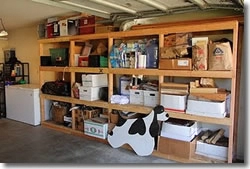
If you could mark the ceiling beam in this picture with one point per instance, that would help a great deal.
(73, 8)
(155, 5)
(115, 6)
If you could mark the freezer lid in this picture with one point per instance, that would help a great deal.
(33, 87)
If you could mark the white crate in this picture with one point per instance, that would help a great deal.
(95, 129)
(181, 129)
(174, 102)
(89, 93)
(212, 151)
(207, 108)
(136, 97)
(95, 80)
(151, 98)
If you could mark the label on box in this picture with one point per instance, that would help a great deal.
(182, 62)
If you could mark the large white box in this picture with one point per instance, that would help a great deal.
(211, 150)
(89, 93)
(174, 102)
(95, 80)
(150, 98)
(136, 96)
(206, 108)
(95, 129)
(184, 130)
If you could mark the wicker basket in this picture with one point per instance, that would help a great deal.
(58, 113)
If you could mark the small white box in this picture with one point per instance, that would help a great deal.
(211, 150)
(67, 27)
(95, 80)
(95, 129)
(206, 108)
(136, 97)
(174, 102)
(151, 98)
(89, 93)
(67, 119)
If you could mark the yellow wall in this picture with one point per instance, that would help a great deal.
(27, 49)
(3, 45)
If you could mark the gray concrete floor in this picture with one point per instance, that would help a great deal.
(23, 143)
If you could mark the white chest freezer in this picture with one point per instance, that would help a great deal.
(23, 103)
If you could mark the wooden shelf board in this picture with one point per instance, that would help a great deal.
(131, 107)
(52, 125)
(223, 121)
(89, 69)
(97, 103)
(150, 72)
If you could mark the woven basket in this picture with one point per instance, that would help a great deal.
(58, 113)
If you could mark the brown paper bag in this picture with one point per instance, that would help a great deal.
(220, 56)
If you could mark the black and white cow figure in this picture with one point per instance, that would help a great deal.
(139, 133)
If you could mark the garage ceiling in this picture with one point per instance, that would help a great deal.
(118, 10)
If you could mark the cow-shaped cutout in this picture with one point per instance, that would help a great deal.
(139, 133)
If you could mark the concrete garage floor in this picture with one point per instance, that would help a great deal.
(23, 143)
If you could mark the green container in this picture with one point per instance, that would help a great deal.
(103, 61)
(59, 56)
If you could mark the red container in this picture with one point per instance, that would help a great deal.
(49, 27)
(87, 25)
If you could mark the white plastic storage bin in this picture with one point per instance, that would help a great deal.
(136, 97)
(89, 93)
(151, 98)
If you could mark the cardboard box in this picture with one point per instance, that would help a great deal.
(95, 80)
(200, 53)
(136, 97)
(174, 102)
(206, 108)
(211, 150)
(89, 93)
(95, 129)
(178, 148)
(106, 29)
(151, 98)
(176, 64)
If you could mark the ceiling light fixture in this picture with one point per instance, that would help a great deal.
(3, 32)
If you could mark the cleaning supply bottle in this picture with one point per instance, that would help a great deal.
(152, 53)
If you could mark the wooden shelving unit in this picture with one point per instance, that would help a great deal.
(228, 26)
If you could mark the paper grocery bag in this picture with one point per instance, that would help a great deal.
(220, 56)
